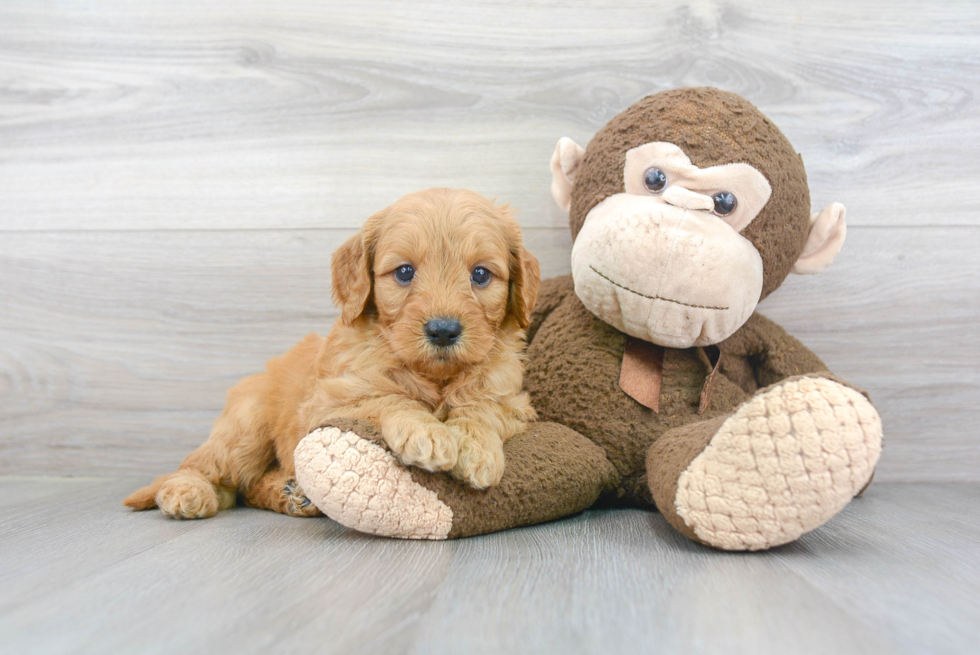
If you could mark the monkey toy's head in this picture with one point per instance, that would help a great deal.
(687, 209)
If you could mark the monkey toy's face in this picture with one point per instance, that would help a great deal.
(664, 260)
(680, 254)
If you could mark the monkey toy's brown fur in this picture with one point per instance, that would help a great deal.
(439, 409)
(746, 440)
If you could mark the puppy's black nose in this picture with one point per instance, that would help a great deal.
(443, 332)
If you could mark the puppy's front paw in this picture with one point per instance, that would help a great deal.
(430, 446)
(480, 465)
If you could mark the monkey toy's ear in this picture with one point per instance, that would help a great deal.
(564, 163)
(827, 231)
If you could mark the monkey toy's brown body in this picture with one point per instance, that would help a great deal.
(656, 383)
(649, 451)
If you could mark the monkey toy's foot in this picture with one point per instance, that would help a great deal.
(359, 483)
(348, 473)
(783, 464)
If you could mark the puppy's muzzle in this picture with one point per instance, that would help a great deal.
(443, 332)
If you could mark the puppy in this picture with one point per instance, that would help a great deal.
(434, 293)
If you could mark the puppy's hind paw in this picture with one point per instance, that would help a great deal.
(297, 504)
(188, 496)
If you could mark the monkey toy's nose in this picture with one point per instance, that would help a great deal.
(678, 196)
(443, 332)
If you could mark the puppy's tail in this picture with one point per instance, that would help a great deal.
(146, 498)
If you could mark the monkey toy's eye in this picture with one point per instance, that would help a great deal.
(725, 203)
(480, 277)
(655, 180)
(404, 274)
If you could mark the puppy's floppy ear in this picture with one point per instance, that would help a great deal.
(350, 270)
(525, 278)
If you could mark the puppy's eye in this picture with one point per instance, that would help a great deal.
(404, 274)
(481, 276)
(725, 203)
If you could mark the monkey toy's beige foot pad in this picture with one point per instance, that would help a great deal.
(359, 484)
(785, 462)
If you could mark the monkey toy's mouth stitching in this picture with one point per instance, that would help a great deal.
(643, 295)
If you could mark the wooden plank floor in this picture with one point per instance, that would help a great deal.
(897, 572)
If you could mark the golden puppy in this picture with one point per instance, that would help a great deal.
(434, 293)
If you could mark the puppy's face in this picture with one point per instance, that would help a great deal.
(444, 271)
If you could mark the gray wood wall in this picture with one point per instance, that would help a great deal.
(174, 177)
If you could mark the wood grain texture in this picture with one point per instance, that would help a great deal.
(173, 179)
(79, 573)
(312, 114)
(118, 348)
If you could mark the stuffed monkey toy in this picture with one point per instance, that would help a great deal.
(656, 383)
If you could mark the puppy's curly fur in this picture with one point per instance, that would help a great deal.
(440, 407)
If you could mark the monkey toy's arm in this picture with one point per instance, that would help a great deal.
(772, 353)
(551, 294)
(776, 355)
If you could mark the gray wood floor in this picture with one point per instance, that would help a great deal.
(897, 572)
